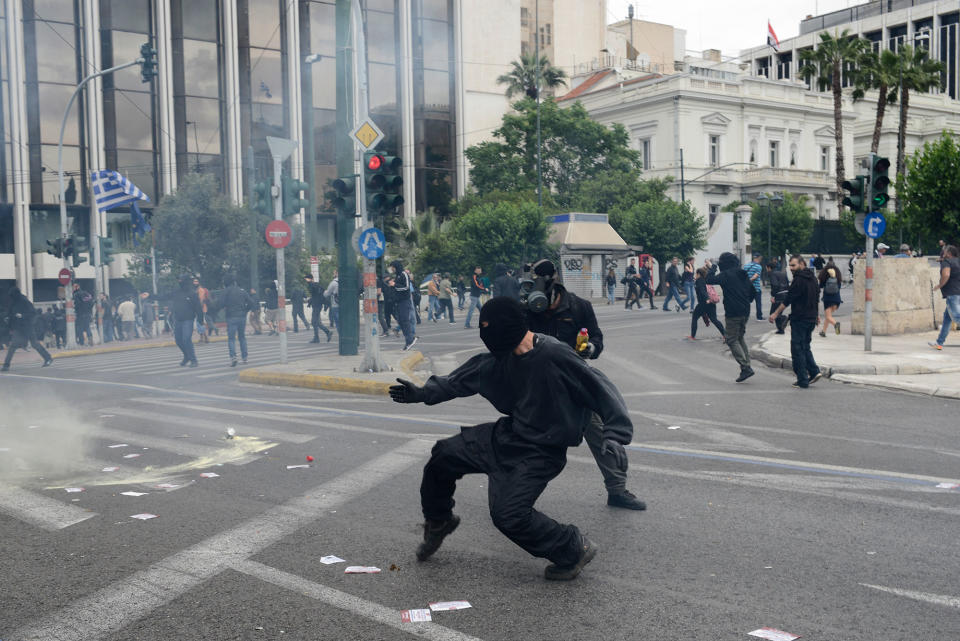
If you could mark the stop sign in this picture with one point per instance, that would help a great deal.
(64, 276)
(278, 234)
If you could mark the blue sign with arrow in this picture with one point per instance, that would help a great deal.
(874, 224)
(371, 243)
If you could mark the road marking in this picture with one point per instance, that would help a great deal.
(39, 510)
(343, 601)
(646, 373)
(217, 427)
(181, 447)
(936, 599)
(123, 602)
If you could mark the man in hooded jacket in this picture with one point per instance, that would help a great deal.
(187, 310)
(547, 395)
(737, 296)
(403, 304)
(21, 321)
(504, 284)
(803, 298)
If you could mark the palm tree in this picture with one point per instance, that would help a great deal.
(920, 74)
(880, 72)
(522, 79)
(834, 56)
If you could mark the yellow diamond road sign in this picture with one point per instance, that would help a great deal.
(367, 134)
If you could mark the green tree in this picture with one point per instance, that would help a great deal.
(574, 148)
(522, 78)
(880, 72)
(790, 224)
(834, 57)
(920, 74)
(664, 227)
(930, 191)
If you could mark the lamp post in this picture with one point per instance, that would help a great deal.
(775, 201)
(763, 204)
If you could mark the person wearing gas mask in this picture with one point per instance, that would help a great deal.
(547, 396)
(403, 304)
(552, 310)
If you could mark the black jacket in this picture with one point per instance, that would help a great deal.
(235, 302)
(778, 285)
(506, 285)
(565, 322)
(296, 299)
(803, 297)
(549, 393)
(476, 286)
(673, 276)
(316, 295)
(22, 313)
(737, 288)
(186, 304)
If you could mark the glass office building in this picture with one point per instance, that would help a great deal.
(230, 73)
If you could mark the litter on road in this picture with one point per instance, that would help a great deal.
(773, 634)
(131, 456)
(113, 447)
(331, 559)
(361, 569)
(73, 489)
(112, 468)
(673, 427)
(442, 606)
(297, 467)
(948, 486)
(209, 475)
(144, 517)
(134, 493)
(167, 486)
(415, 616)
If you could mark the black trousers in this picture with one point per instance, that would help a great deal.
(517, 471)
(317, 323)
(782, 319)
(298, 313)
(710, 311)
(804, 366)
(19, 341)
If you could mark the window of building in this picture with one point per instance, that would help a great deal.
(543, 37)
(714, 151)
(524, 18)
(794, 153)
(549, 35)
(774, 153)
(824, 158)
(714, 212)
(753, 151)
(645, 160)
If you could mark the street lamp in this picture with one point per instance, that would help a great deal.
(775, 201)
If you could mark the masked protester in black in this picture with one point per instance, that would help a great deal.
(563, 318)
(22, 313)
(547, 395)
(315, 292)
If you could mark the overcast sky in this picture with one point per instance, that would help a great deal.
(728, 26)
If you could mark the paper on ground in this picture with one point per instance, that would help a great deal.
(73, 489)
(449, 605)
(295, 467)
(415, 616)
(144, 517)
(209, 475)
(167, 486)
(131, 456)
(4, 449)
(134, 493)
(948, 486)
(673, 427)
(331, 559)
(773, 634)
(112, 468)
(361, 569)
(113, 447)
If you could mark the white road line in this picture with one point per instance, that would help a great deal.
(936, 599)
(39, 510)
(216, 426)
(645, 372)
(343, 601)
(123, 602)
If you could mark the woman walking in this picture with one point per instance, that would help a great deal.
(611, 282)
(830, 282)
(706, 304)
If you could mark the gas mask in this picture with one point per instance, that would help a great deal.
(536, 289)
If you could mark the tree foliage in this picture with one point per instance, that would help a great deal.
(930, 191)
(574, 149)
(790, 225)
(881, 72)
(664, 227)
(920, 75)
(522, 77)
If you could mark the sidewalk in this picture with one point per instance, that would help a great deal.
(338, 374)
(904, 362)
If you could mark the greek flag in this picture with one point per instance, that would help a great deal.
(111, 189)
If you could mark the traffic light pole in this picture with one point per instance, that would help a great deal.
(348, 333)
(68, 288)
(868, 270)
(280, 149)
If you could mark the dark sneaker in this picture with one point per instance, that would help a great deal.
(745, 374)
(434, 532)
(315, 340)
(816, 377)
(233, 363)
(798, 385)
(329, 336)
(626, 500)
(47, 363)
(556, 572)
(192, 364)
(184, 362)
(5, 368)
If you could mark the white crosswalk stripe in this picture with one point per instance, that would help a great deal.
(39, 510)
(217, 426)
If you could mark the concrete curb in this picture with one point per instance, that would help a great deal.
(125, 348)
(899, 386)
(761, 353)
(330, 383)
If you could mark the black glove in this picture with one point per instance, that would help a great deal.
(612, 447)
(586, 352)
(407, 392)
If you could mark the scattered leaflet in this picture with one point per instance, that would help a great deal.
(134, 493)
(113, 447)
(73, 489)
(772, 634)
(361, 569)
(144, 517)
(440, 606)
(296, 467)
(948, 486)
(131, 456)
(112, 468)
(209, 475)
(331, 559)
(167, 486)
(415, 616)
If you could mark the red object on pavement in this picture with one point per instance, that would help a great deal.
(64, 276)
(309, 459)
(278, 234)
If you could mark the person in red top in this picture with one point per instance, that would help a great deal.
(204, 295)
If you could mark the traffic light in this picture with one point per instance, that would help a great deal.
(344, 197)
(261, 199)
(879, 183)
(106, 250)
(293, 201)
(148, 62)
(855, 199)
(383, 182)
(394, 182)
(76, 245)
(55, 247)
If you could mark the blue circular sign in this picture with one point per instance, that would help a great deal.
(874, 224)
(371, 243)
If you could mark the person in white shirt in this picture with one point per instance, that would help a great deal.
(128, 317)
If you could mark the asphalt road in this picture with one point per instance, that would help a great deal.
(816, 512)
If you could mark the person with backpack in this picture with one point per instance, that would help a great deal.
(21, 314)
(235, 304)
(737, 296)
(830, 282)
(707, 299)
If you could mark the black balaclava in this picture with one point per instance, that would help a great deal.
(503, 324)
(728, 261)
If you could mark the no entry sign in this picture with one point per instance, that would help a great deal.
(64, 276)
(278, 234)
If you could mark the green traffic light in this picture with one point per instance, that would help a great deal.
(879, 183)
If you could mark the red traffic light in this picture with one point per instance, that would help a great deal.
(375, 162)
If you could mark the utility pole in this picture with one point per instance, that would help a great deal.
(536, 48)
(280, 149)
(349, 331)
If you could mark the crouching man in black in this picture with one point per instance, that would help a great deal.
(547, 394)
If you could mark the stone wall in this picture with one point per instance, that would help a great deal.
(903, 296)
